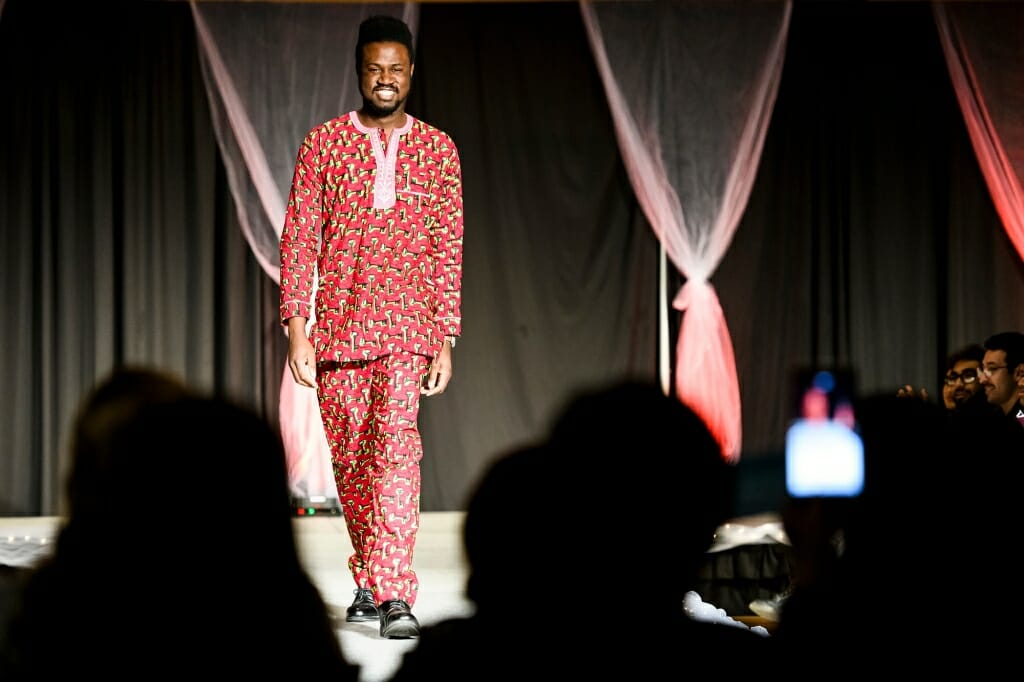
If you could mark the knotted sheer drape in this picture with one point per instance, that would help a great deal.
(272, 72)
(984, 48)
(691, 87)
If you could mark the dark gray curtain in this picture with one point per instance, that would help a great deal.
(119, 242)
(560, 272)
(869, 238)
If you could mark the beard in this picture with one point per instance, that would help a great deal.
(963, 397)
(378, 111)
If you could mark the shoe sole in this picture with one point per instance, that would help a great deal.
(368, 618)
(401, 631)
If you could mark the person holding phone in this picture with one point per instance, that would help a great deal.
(865, 564)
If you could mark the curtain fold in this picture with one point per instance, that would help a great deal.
(984, 48)
(272, 72)
(691, 104)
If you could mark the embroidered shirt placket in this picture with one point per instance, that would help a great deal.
(384, 182)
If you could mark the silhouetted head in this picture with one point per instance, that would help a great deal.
(182, 465)
(184, 495)
(627, 473)
(112, 404)
(653, 460)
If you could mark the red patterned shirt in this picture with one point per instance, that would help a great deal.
(379, 224)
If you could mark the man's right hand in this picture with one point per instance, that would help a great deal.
(301, 357)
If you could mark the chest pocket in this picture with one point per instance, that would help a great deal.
(413, 188)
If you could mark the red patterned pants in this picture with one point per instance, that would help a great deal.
(369, 411)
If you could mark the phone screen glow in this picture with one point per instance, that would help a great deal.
(824, 458)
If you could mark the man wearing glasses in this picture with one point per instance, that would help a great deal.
(961, 389)
(1000, 369)
(960, 386)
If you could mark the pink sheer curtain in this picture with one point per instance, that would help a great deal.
(691, 87)
(272, 72)
(984, 48)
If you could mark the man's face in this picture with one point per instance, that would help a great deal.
(385, 78)
(964, 376)
(1000, 388)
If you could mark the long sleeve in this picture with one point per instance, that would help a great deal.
(301, 232)
(447, 236)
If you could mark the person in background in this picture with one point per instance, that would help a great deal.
(1000, 368)
(960, 386)
(177, 557)
(111, 403)
(865, 564)
(1019, 376)
(374, 218)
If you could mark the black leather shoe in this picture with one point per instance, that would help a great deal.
(363, 609)
(397, 621)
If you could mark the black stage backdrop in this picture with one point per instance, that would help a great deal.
(870, 239)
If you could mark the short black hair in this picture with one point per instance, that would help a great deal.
(1011, 343)
(383, 29)
(972, 351)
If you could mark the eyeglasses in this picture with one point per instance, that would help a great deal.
(990, 370)
(968, 376)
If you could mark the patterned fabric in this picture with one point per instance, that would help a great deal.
(370, 410)
(374, 228)
(390, 267)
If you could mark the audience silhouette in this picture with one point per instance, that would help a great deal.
(177, 557)
(141, 579)
(623, 464)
